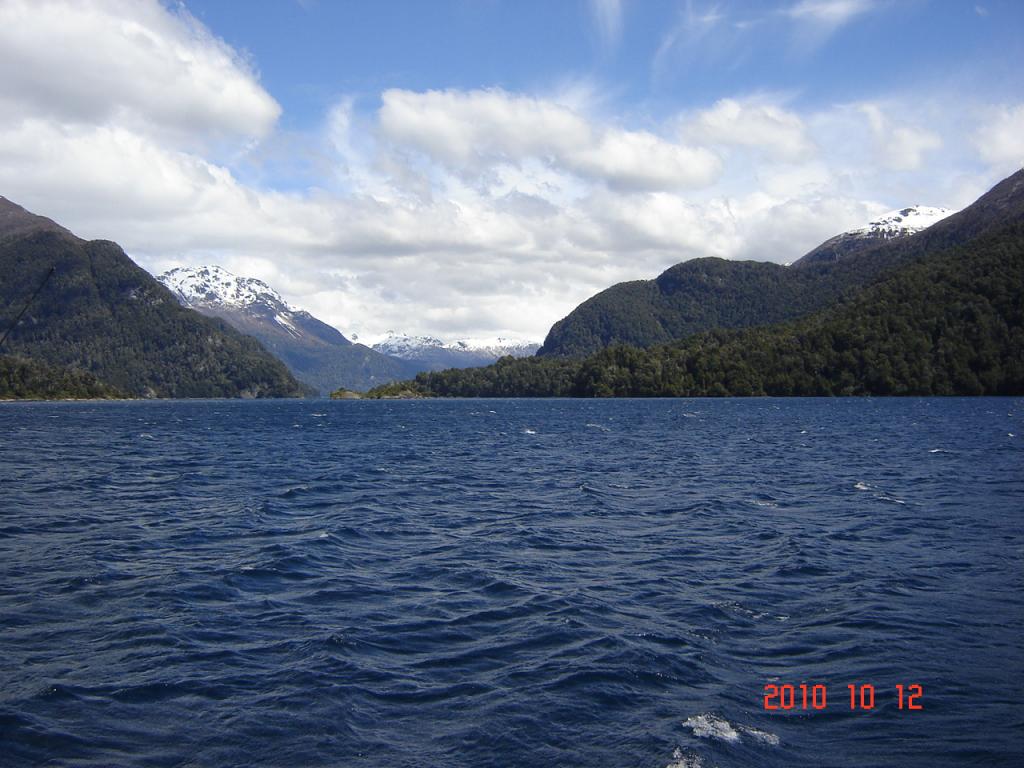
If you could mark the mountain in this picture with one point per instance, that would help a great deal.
(428, 353)
(706, 293)
(103, 315)
(895, 224)
(948, 319)
(16, 221)
(314, 351)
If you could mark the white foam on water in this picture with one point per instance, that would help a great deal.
(530, 431)
(708, 726)
(762, 736)
(682, 759)
(323, 535)
(862, 486)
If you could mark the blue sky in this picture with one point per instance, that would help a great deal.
(309, 53)
(476, 169)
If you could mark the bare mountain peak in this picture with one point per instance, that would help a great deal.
(15, 220)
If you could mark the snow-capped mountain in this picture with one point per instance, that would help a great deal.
(462, 353)
(899, 223)
(214, 287)
(905, 221)
(317, 353)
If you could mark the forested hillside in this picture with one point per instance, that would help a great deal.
(705, 294)
(103, 315)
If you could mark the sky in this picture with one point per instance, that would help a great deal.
(477, 168)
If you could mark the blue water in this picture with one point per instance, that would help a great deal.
(510, 583)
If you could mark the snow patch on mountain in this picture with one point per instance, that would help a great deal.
(905, 221)
(215, 286)
(413, 347)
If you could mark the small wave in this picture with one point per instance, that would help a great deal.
(890, 499)
(146, 436)
(939, 450)
(530, 431)
(708, 726)
(598, 426)
(862, 486)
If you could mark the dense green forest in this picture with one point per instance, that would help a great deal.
(21, 378)
(950, 323)
(102, 314)
(705, 294)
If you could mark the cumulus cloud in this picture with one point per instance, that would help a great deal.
(1000, 141)
(764, 126)
(130, 62)
(900, 147)
(469, 130)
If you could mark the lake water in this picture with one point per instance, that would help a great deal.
(512, 583)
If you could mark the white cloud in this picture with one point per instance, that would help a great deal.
(607, 16)
(684, 39)
(1000, 142)
(132, 63)
(828, 14)
(470, 130)
(751, 124)
(817, 20)
(899, 147)
(453, 212)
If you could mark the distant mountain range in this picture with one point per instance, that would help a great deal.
(103, 324)
(937, 311)
(314, 351)
(317, 353)
(433, 354)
